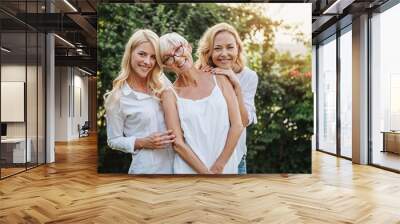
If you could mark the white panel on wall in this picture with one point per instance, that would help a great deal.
(12, 101)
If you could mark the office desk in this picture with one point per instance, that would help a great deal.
(391, 141)
(15, 148)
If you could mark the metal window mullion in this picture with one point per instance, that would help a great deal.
(37, 91)
(26, 87)
(317, 96)
(338, 98)
(45, 89)
(369, 89)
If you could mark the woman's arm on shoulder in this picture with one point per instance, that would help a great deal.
(249, 93)
(236, 126)
(172, 121)
(232, 77)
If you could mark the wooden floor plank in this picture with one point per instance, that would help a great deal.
(71, 191)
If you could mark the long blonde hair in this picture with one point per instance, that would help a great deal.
(153, 80)
(206, 44)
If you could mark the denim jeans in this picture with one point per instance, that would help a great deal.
(242, 166)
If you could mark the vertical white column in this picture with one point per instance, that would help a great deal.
(50, 93)
(360, 90)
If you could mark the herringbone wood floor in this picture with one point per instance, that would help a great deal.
(71, 191)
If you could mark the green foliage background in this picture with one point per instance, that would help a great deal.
(281, 140)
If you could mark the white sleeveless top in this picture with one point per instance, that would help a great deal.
(205, 125)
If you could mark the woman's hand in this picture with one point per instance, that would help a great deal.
(217, 167)
(230, 74)
(206, 68)
(157, 140)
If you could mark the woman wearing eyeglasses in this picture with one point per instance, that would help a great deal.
(203, 112)
(135, 120)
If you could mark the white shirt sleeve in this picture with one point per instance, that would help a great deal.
(249, 91)
(115, 136)
(165, 80)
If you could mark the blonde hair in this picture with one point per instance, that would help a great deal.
(206, 45)
(170, 41)
(153, 80)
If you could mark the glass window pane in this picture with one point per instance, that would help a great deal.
(14, 151)
(386, 89)
(327, 96)
(31, 97)
(23, 84)
(346, 94)
(41, 98)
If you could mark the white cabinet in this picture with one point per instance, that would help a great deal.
(18, 149)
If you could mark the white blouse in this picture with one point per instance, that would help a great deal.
(136, 116)
(248, 82)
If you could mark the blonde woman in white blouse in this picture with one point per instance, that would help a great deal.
(221, 49)
(135, 120)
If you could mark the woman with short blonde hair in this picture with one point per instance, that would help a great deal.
(135, 120)
(221, 51)
(202, 111)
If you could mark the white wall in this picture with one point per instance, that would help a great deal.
(71, 87)
(61, 103)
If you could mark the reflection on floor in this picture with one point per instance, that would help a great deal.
(10, 169)
(71, 191)
(387, 159)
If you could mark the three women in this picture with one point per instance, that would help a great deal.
(202, 110)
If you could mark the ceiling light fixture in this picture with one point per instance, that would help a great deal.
(5, 49)
(84, 71)
(64, 40)
(70, 5)
(337, 7)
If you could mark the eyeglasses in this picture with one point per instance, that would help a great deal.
(170, 59)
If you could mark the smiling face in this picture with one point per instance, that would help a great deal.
(143, 59)
(224, 51)
(178, 59)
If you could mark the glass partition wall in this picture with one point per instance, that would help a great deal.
(22, 87)
(13, 86)
(385, 89)
(334, 91)
(334, 104)
(345, 92)
(327, 95)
